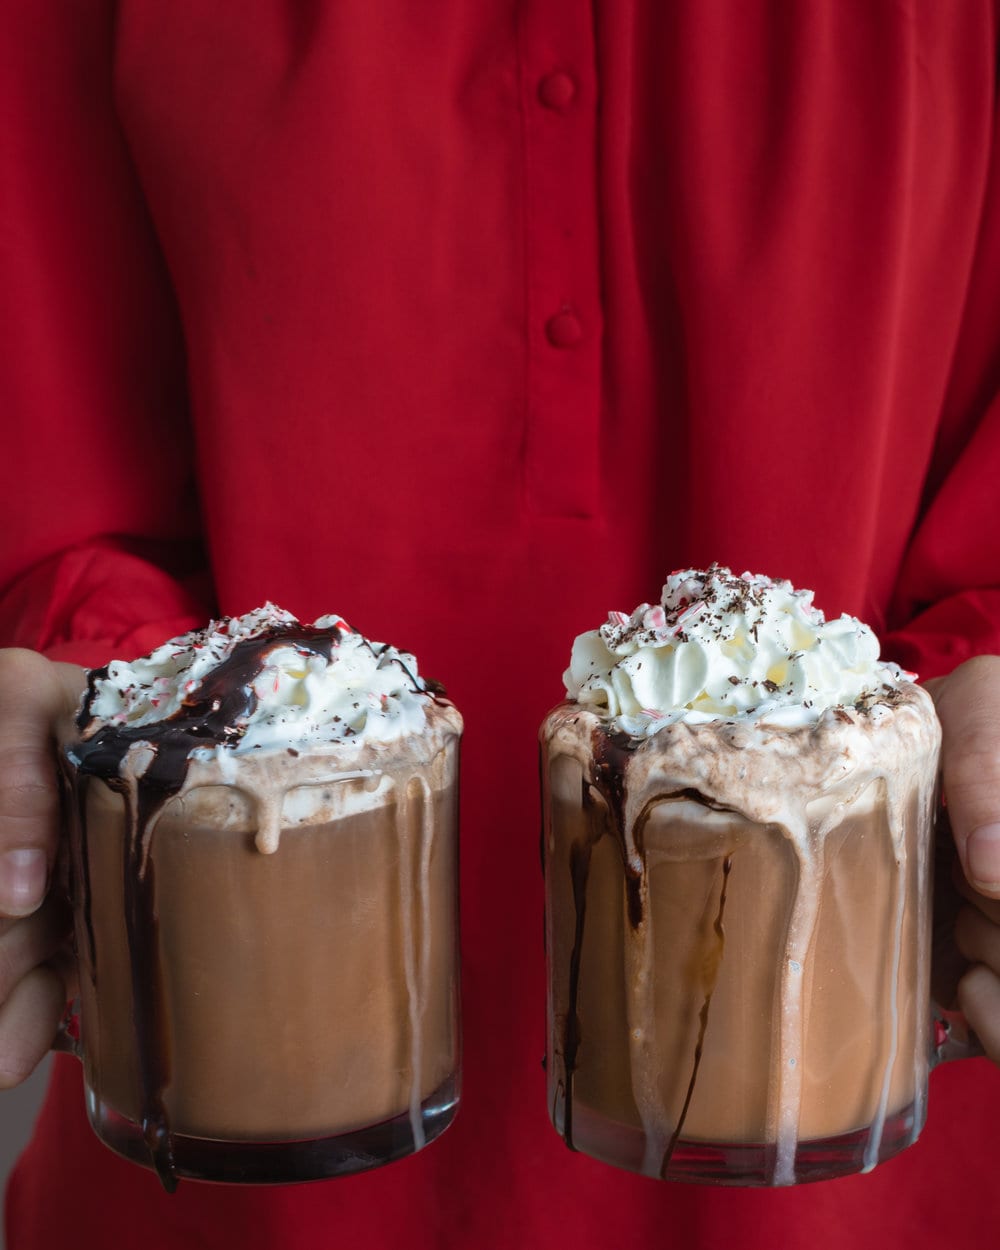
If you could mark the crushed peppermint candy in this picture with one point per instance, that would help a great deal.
(719, 645)
(323, 682)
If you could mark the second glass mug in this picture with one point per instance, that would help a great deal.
(733, 1000)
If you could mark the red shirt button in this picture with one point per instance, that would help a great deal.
(556, 91)
(564, 330)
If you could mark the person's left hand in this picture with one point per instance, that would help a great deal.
(968, 705)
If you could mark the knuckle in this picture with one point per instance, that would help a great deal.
(977, 763)
(27, 798)
(19, 665)
(28, 781)
(972, 783)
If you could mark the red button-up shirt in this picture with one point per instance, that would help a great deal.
(470, 321)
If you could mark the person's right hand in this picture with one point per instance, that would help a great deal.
(35, 695)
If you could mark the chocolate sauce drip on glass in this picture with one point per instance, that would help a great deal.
(716, 964)
(609, 783)
(579, 867)
(215, 714)
(73, 800)
(611, 752)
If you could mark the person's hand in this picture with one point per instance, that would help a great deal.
(968, 705)
(35, 695)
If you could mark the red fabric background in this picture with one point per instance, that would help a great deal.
(278, 292)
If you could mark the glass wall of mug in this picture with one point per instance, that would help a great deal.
(277, 1015)
(731, 1001)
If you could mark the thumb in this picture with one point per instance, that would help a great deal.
(34, 695)
(968, 706)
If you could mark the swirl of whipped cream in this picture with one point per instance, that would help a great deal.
(344, 688)
(720, 646)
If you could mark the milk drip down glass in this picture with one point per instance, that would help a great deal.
(738, 803)
(264, 879)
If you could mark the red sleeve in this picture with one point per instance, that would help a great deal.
(951, 577)
(948, 593)
(98, 519)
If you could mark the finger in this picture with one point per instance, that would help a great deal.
(26, 943)
(948, 965)
(978, 938)
(28, 1022)
(34, 695)
(990, 907)
(979, 1002)
(968, 705)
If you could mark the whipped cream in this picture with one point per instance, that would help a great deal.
(344, 688)
(744, 647)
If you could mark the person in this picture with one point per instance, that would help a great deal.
(470, 322)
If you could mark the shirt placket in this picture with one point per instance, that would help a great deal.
(558, 96)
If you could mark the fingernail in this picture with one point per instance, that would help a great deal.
(982, 854)
(22, 880)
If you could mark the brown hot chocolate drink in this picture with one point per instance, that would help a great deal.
(268, 936)
(737, 919)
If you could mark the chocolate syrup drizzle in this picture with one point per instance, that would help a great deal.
(610, 755)
(216, 713)
(224, 698)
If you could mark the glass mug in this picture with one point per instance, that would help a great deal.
(269, 966)
(739, 982)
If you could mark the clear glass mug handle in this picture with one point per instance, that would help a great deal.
(67, 1038)
(953, 1038)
